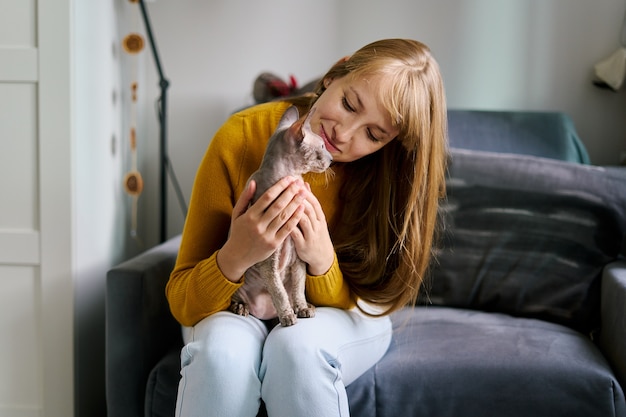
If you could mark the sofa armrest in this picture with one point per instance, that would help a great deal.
(613, 334)
(139, 326)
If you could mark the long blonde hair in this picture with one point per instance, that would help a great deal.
(384, 240)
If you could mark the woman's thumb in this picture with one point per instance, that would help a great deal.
(244, 199)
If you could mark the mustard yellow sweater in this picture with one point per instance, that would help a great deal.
(197, 288)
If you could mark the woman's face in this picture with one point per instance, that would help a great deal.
(351, 120)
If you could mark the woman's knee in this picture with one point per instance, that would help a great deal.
(224, 339)
(220, 367)
(336, 341)
(291, 353)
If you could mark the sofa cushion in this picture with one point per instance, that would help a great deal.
(453, 362)
(528, 236)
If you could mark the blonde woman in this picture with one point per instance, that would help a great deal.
(365, 233)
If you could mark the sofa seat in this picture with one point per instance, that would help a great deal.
(455, 362)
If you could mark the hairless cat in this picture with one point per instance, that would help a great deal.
(275, 286)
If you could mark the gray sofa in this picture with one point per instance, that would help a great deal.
(524, 313)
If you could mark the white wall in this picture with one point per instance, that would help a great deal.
(101, 159)
(515, 54)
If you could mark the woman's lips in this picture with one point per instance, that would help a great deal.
(327, 143)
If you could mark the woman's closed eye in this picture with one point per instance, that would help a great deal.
(347, 105)
(371, 136)
(351, 109)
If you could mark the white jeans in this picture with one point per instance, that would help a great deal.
(230, 362)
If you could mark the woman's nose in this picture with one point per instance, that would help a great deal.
(343, 133)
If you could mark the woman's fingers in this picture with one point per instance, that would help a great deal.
(257, 230)
(273, 193)
(285, 228)
(276, 207)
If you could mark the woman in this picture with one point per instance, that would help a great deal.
(365, 233)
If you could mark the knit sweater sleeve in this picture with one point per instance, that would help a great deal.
(330, 289)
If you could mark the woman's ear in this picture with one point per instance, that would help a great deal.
(342, 60)
(329, 80)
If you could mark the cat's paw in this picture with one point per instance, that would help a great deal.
(306, 312)
(240, 308)
(287, 319)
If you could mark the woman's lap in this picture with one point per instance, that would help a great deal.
(233, 359)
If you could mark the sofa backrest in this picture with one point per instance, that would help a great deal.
(528, 236)
(545, 134)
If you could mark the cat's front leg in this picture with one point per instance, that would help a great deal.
(276, 287)
(305, 311)
(287, 318)
(302, 308)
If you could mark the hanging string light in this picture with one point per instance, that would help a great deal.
(133, 44)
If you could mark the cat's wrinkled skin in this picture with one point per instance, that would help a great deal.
(275, 286)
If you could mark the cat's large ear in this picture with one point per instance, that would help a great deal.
(290, 116)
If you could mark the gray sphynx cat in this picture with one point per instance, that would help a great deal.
(275, 286)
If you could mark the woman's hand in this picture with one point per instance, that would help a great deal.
(256, 231)
(312, 238)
